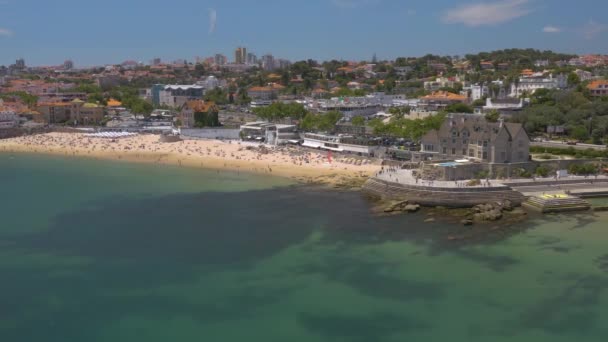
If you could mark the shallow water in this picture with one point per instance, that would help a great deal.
(105, 251)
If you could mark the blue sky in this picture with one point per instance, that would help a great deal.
(111, 31)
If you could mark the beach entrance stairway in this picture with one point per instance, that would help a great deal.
(557, 203)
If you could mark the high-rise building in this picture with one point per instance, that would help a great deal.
(268, 62)
(68, 65)
(252, 59)
(284, 63)
(220, 59)
(20, 64)
(240, 55)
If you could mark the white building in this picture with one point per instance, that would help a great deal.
(211, 82)
(441, 82)
(479, 91)
(506, 107)
(269, 133)
(335, 143)
(528, 85)
(8, 119)
(176, 96)
(584, 75)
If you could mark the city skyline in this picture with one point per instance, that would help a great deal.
(341, 29)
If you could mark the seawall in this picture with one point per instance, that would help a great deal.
(441, 197)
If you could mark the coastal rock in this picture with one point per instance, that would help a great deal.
(403, 207)
(467, 222)
(396, 206)
(411, 208)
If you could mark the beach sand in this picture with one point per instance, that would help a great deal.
(301, 165)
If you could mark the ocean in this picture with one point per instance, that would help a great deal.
(102, 251)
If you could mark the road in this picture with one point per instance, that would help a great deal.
(560, 188)
(559, 144)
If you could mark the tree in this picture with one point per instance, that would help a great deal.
(492, 116)
(573, 79)
(279, 110)
(217, 95)
(199, 70)
(579, 133)
(358, 121)
(479, 102)
(459, 108)
(206, 119)
(321, 122)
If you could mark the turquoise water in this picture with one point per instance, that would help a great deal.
(103, 251)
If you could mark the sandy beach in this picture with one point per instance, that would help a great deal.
(295, 163)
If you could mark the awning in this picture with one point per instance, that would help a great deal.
(333, 149)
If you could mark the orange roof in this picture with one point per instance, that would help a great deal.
(201, 106)
(319, 91)
(527, 72)
(114, 103)
(597, 83)
(445, 95)
(54, 104)
(270, 87)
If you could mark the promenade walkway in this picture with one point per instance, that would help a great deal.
(406, 177)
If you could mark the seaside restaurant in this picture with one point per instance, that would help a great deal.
(269, 133)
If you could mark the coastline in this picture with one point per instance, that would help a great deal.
(300, 166)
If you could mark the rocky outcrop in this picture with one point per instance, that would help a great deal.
(402, 207)
(490, 212)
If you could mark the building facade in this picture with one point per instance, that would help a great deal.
(176, 96)
(598, 88)
(471, 136)
(528, 85)
(240, 55)
(188, 114)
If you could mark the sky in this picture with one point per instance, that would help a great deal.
(93, 32)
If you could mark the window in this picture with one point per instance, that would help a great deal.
(464, 151)
(465, 142)
(453, 141)
(445, 150)
(453, 151)
(485, 155)
(485, 144)
(471, 153)
(479, 154)
(478, 142)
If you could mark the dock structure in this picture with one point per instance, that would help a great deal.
(556, 203)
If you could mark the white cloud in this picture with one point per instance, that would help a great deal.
(5, 32)
(487, 13)
(212, 20)
(551, 29)
(352, 3)
(592, 29)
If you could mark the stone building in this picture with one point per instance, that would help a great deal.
(198, 113)
(77, 111)
(471, 136)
